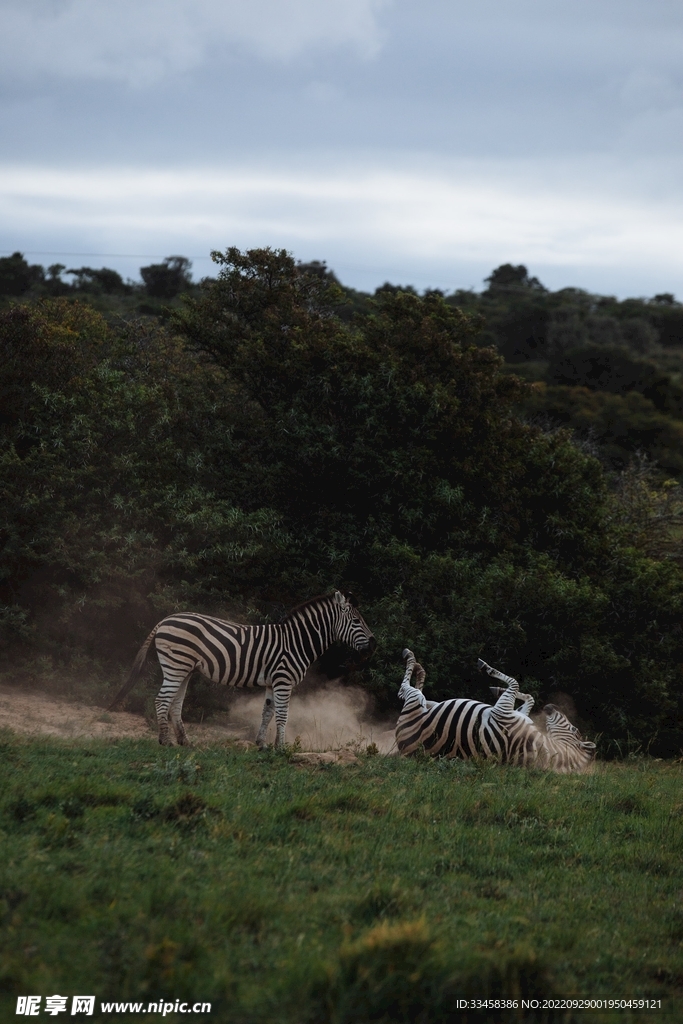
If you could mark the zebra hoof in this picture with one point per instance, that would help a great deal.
(406, 653)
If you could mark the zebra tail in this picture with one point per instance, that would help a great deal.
(135, 670)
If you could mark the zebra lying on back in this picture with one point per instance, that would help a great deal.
(274, 656)
(469, 729)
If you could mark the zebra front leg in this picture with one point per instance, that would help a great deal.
(176, 714)
(268, 712)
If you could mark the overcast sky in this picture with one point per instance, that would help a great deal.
(417, 141)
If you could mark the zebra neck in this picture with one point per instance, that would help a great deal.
(308, 637)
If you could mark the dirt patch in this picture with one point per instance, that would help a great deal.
(34, 713)
(327, 719)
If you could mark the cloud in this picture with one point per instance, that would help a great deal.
(476, 213)
(140, 42)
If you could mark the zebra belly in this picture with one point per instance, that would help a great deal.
(449, 729)
(223, 652)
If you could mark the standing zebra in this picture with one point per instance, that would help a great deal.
(275, 656)
(469, 729)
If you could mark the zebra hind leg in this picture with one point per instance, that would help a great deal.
(176, 712)
(161, 705)
(411, 665)
(172, 690)
(268, 712)
(527, 703)
(526, 698)
(506, 696)
(508, 680)
(281, 696)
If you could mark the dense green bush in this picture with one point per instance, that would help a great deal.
(616, 371)
(262, 449)
(618, 426)
(105, 518)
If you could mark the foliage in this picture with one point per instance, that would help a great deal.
(650, 512)
(391, 454)
(262, 449)
(101, 287)
(334, 894)
(605, 369)
(577, 340)
(167, 279)
(109, 281)
(617, 427)
(525, 321)
(16, 275)
(105, 517)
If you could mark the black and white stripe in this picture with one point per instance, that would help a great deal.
(273, 656)
(564, 744)
(469, 729)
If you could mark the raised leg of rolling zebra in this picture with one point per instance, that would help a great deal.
(508, 680)
(176, 714)
(505, 704)
(410, 662)
(281, 695)
(268, 712)
(528, 703)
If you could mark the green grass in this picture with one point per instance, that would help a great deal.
(376, 892)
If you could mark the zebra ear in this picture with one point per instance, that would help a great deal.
(340, 599)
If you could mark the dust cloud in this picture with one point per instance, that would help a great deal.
(325, 718)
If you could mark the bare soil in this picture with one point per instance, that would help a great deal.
(330, 719)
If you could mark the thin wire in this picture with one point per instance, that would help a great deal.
(104, 255)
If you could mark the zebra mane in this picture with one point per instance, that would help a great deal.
(319, 599)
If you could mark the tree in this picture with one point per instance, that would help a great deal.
(104, 279)
(166, 280)
(262, 450)
(17, 276)
(107, 518)
(508, 276)
(602, 368)
(615, 426)
(392, 457)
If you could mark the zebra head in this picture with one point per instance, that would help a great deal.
(561, 731)
(351, 627)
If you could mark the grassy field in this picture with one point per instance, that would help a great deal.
(382, 891)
